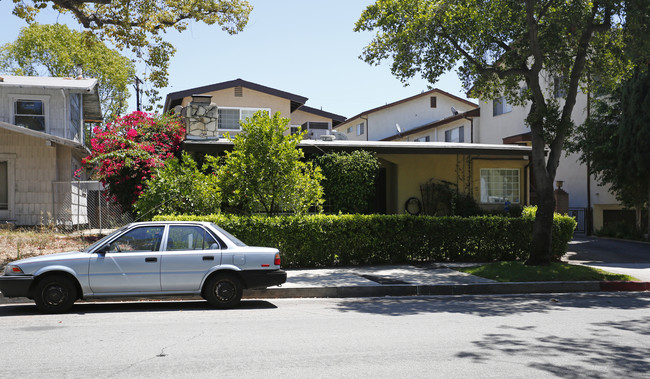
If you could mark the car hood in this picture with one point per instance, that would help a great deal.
(51, 257)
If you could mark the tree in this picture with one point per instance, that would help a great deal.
(139, 26)
(55, 50)
(498, 45)
(349, 182)
(265, 172)
(125, 153)
(613, 142)
(179, 187)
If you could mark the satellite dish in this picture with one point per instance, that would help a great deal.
(454, 111)
(399, 129)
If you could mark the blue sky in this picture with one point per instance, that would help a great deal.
(306, 47)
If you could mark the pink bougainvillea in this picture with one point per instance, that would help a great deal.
(125, 152)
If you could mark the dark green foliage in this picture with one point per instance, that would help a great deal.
(442, 198)
(349, 180)
(329, 240)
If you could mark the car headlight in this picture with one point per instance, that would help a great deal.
(13, 270)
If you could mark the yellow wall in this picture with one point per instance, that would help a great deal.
(405, 174)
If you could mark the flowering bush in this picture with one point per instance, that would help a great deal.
(125, 152)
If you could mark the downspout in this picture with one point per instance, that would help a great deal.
(589, 217)
(65, 114)
(471, 135)
(367, 126)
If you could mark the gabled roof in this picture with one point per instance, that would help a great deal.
(296, 100)
(427, 93)
(86, 86)
(336, 119)
(471, 113)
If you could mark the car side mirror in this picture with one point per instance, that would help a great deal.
(214, 246)
(104, 249)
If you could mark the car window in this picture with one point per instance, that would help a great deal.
(139, 239)
(190, 238)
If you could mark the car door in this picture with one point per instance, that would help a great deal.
(190, 252)
(130, 264)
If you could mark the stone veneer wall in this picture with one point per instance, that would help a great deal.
(202, 120)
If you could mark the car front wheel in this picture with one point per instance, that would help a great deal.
(55, 294)
(223, 291)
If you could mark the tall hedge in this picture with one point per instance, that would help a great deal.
(330, 240)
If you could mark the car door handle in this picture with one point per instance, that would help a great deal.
(208, 258)
(151, 259)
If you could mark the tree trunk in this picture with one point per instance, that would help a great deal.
(648, 237)
(540, 248)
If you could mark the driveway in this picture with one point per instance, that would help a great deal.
(624, 257)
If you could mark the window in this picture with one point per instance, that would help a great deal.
(500, 106)
(30, 114)
(349, 130)
(139, 239)
(360, 129)
(4, 186)
(499, 185)
(230, 118)
(423, 139)
(296, 129)
(75, 116)
(455, 134)
(434, 101)
(190, 238)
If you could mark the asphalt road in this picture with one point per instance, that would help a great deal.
(618, 256)
(603, 335)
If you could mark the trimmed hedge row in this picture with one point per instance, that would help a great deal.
(330, 240)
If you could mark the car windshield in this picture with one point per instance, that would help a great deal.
(230, 236)
(101, 241)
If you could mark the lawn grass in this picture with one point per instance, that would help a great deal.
(519, 272)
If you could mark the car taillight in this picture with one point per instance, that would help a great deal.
(277, 259)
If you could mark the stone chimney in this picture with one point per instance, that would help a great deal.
(201, 118)
(561, 199)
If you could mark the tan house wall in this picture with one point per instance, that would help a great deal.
(299, 117)
(35, 167)
(249, 99)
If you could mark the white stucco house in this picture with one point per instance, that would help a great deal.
(431, 116)
(501, 122)
(42, 144)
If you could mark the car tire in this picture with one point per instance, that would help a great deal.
(55, 294)
(223, 291)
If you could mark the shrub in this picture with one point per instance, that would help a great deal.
(349, 183)
(327, 240)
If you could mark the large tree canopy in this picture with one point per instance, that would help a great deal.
(55, 50)
(504, 47)
(140, 25)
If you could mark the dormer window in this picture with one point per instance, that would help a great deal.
(30, 114)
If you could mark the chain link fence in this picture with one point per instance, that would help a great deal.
(86, 205)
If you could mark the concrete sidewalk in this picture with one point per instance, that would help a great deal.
(409, 280)
(406, 280)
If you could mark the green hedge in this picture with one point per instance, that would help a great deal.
(329, 240)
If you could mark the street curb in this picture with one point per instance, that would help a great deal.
(512, 288)
(427, 290)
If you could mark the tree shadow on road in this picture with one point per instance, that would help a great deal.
(493, 306)
(596, 356)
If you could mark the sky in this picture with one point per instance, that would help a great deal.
(305, 47)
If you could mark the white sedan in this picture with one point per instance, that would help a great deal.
(147, 259)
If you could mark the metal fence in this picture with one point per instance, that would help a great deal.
(83, 205)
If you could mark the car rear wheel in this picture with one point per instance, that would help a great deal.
(223, 291)
(55, 294)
